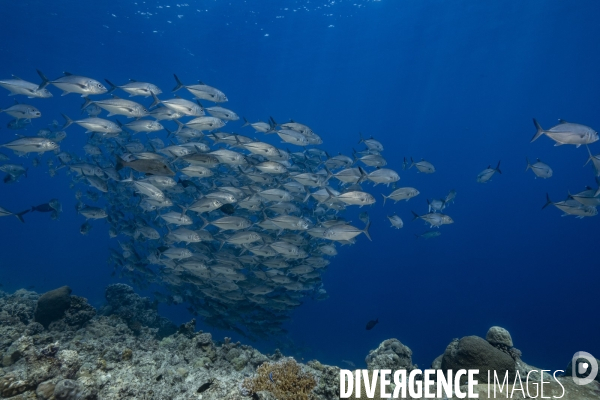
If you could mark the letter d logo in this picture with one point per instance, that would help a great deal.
(582, 367)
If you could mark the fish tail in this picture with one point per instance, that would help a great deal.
(361, 138)
(86, 103)
(68, 121)
(273, 122)
(45, 81)
(20, 215)
(205, 223)
(528, 164)
(307, 197)
(179, 84)
(548, 201)
(412, 163)
(120, 165)
(539, 131)
(113, 87)
(415, 215)
(590, 153)
(156, 100)
(246, 123)
(366, 231)
(384, 198)
(498, 167)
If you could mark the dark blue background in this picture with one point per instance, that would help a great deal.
(456, 83)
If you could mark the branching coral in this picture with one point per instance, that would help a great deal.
(284, 378)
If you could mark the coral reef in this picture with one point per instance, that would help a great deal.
(473, 352)
(391, 354)
(284, 379)
(499, 336)
(135, 310)
(51, 306)
(122, 352)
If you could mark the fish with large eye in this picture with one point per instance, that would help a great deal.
(22, 111)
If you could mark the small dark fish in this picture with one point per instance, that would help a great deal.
(43, 208)
(227, 209)
(371, 324)
(271, 377)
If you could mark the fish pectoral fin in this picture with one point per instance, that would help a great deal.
(64, 93)
(558, 144)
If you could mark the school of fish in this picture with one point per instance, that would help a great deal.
(237, 228)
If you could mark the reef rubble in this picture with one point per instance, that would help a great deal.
(56, 346)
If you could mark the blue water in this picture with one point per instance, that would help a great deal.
(456, 83)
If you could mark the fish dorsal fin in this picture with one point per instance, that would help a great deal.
(16, 77)
(132, 80)
(177, 96)
(114, 96)
(201, 83)
(67, 73)
(489, 167)
(562, 121)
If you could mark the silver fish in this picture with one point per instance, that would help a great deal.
(202, 91)
(405, 193)
(567, 133)
(94, 124)
(485, 175)
(31, 145)
(540, 169)
(22, 111)
(343, 232)
(572, 207)
(19, 86)
(222, 113)
(396, 221)
(118, 106)
(70, 83)
(422, 166)
(135, 88)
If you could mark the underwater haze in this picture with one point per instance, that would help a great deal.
(454, 83)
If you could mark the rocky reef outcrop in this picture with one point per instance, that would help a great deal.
(127, 351)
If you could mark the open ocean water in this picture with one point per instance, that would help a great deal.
(456, 83)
